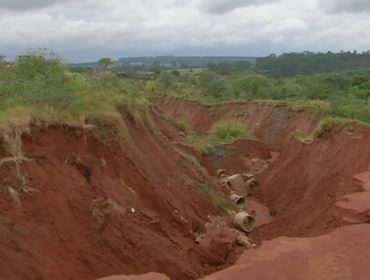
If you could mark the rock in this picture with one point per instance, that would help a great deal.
(342, 254)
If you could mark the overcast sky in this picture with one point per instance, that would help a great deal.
(83, 30)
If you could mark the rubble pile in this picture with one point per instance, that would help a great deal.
(221, 233)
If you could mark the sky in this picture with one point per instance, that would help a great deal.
(84, 30)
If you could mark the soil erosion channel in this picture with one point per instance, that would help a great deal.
(129, 196)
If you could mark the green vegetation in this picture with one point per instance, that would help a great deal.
(291, 64)
(2, 60)
(190, 158)
(105, 62)
(221, 132)
(182, 125)
(306, 137)
(229, 130)
(218, 200)
(40, 89)
(343, 95)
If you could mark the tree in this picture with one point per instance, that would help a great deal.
(2, 59)
(105, 62)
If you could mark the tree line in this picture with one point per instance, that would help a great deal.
(305, 63)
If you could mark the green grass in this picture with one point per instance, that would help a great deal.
(305, 137)
(222, 132)
(188, 157)
(341, 95)
(326, 124)
(41, 90)
(228, 130)
(182, 125)
(221, 202)
(344, 124)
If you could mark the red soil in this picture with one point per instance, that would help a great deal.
(235, 156)
(342, 254)
(99, 210)
(304, 181)
(87, 209)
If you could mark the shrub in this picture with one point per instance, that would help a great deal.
(229, 130)
(181, 124)
(39, 80)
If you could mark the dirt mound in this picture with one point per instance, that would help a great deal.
(342, 254)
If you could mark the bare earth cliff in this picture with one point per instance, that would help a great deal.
(119, 198)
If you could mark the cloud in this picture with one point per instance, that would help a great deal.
(348, 6)
(21, 5)
(226, 6)
(83, 30)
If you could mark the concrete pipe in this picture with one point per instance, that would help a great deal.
(244, 221)
(220, 172)
(237, 199)
(252, 183)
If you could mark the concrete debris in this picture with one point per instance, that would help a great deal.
(244, 240)
(238, 183)
(258, 165)
(244, 221)
(198, 237)
(237, 199)
(220, 172)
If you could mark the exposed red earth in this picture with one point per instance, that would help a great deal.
(342, 254)
(85, 208)
(89, 209)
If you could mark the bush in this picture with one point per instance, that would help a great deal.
(230, 130)
(182, 124)
(39, 80)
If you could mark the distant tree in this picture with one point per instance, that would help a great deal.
(156, 67)
(175, 73)
(2, 59)
(174, 64)
(291, 64)
(105, 62)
